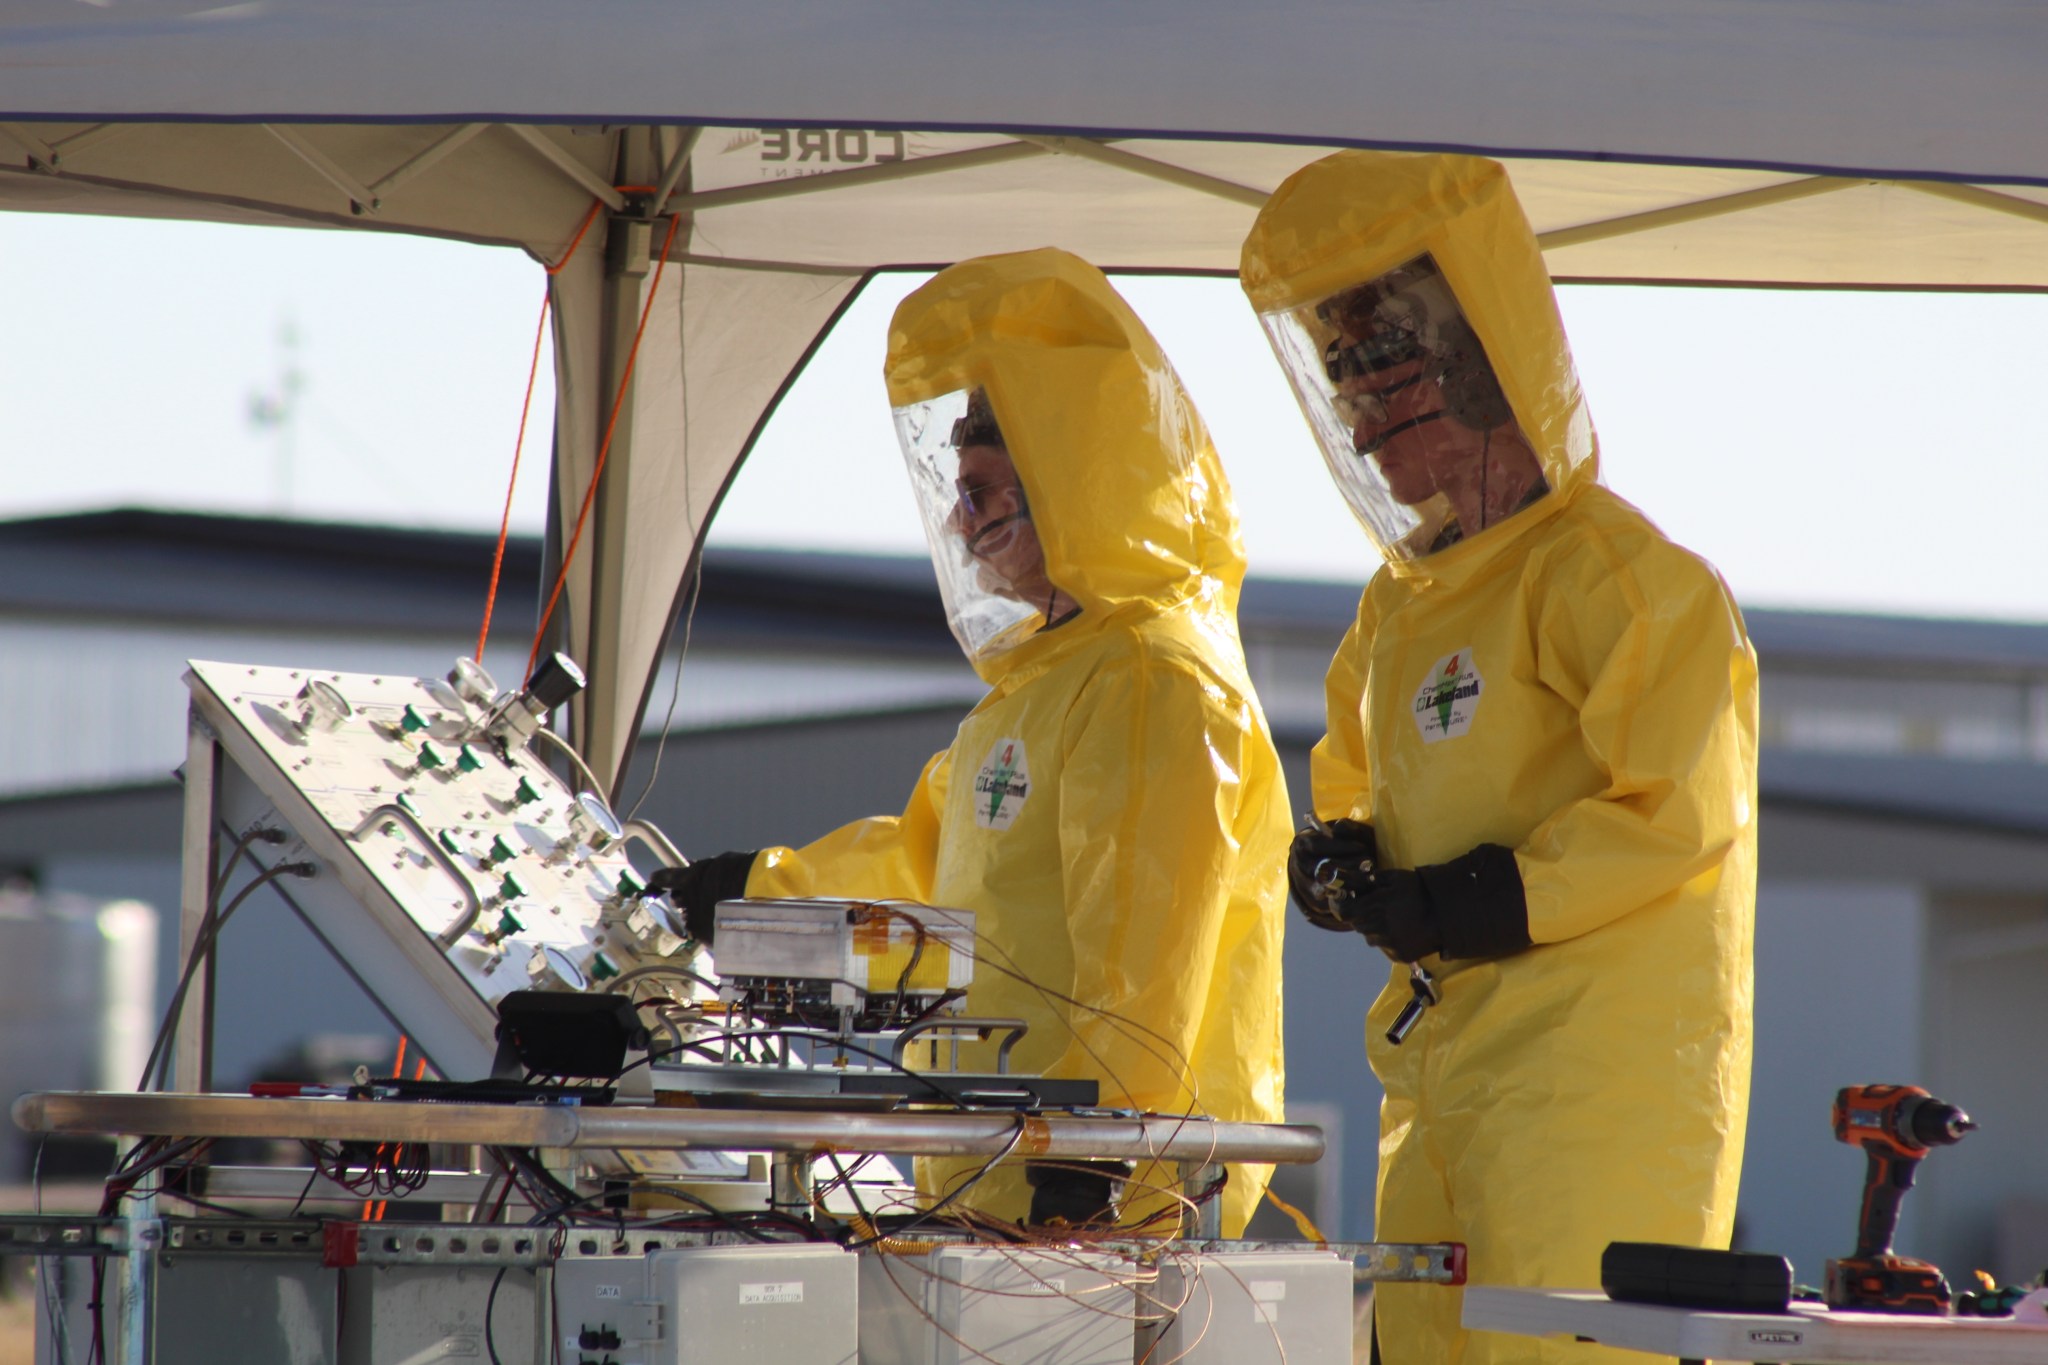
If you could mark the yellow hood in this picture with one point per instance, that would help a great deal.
(1127, 495)
(1356, 215)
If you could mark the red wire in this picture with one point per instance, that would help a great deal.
(397, 1070)
(525, 413)
(518, 446)
(604, 448)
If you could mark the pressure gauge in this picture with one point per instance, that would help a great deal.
(665, 915)
(471, 683)
(322, 707)
(653, 923)
(551, 969)
(592, 822)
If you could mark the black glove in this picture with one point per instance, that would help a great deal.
(1327, 864)
(698, 888)
(1471, 906)
(1072, 1194)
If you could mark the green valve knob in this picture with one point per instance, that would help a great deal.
(430, 757)
(468, 760)
(509, 924)
(446, 838)
(510, 889)
(405, 803)
(629, 885)
(602, 968)
(412, 721)
(525, 792)
(501, 852)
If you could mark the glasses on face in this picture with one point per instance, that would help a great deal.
(978, 498)
(1359, 402)
(1382, 349)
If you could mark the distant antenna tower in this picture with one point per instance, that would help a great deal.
(277, 408)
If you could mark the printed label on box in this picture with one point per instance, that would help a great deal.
(783, 1291)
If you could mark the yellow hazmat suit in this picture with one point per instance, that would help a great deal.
(1113, 810)
(1559, 680)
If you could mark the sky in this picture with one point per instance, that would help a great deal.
(1825, 450)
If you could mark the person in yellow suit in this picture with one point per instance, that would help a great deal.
(1538, 782)
(1113, 811)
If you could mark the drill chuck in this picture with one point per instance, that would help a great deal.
(1934, 1124)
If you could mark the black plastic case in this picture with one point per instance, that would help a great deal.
(1693, 1277)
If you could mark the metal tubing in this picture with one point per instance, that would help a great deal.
(398, 814)
(1196, 1177)
(790, 1184)
(192, 1045)
(138, 1303)
(1168, 1138)
(664, 847)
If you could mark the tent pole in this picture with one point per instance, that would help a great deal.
(553, 153)
(437, 149)
(677, 164)
(41, 155)
(1696, 211)
(1090, 150)
(629, 270)
(1978, 197)
(361, 199)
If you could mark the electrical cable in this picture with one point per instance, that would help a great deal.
(202, 946)
(675, 690)
(547, 297)
(659, 969)
(582, 768)
(483, 634)
(1173, 1056)
(213, 892)
(490, 1305)
(604, 447)
(952, 1196)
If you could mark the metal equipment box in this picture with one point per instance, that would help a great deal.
(965, 1305)
(421, 1314)
(788, 1304)
(1289, 1308)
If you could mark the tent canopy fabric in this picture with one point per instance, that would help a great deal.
(782, 151)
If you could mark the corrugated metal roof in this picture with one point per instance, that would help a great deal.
(2010, 797)
(135, 562)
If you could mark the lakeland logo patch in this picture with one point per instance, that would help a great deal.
(1001, 785)
(1448, 698)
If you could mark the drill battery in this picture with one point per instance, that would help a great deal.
(1887, 1284)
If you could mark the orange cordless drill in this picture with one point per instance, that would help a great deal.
(1896, 1126)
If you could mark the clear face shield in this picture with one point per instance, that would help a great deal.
(1407, 409)
(985, 547)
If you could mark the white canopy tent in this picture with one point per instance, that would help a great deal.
(784, 151)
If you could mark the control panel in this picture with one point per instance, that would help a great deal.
(429, 800)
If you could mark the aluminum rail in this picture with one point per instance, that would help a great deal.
(504, 1125)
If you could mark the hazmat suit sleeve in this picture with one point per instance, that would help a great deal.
(1340, 773)
(879, 858)
(1664, 681)
(1154, 776)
